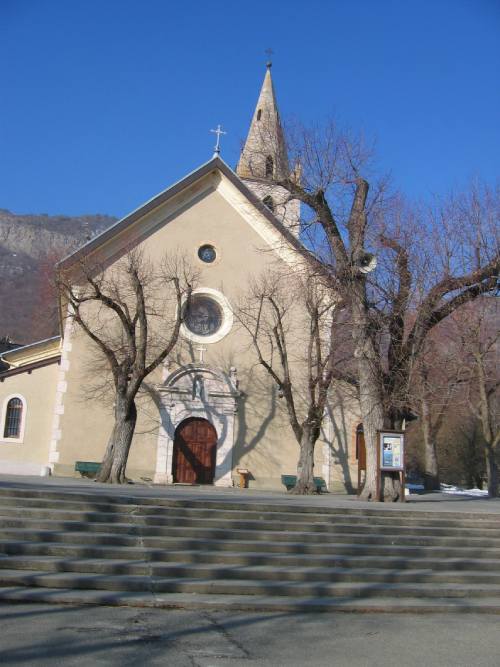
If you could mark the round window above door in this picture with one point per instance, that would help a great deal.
(203, 316)
(208, 317)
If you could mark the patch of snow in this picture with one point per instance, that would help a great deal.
(457, 491)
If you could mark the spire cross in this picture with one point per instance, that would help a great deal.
(269, 52)
(218, 132)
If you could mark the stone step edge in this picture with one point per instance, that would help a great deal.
(241, 536)
(246, 603)
(40, 537)
(180, 564)
(182, 571)
(293, 502)
(235, 535)
(150, 581)
(146, 520)
(18, 550)
(428, 521)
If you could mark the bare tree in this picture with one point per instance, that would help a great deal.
(436, 382)
(393, 309)
(132, 311)
(461, 449)
(291, 320)
(480, 338)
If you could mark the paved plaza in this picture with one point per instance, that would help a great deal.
(56, 635)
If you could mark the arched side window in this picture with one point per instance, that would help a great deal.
(269, 202)
(13, 419)
(259, 114)
(269, 166)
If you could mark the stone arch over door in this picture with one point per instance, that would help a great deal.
(197, 391)
(194, 453)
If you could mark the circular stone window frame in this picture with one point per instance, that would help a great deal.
(227, 318)
(217, 254)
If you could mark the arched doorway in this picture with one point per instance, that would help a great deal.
(195, 445)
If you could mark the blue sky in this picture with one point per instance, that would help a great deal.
(106, 102)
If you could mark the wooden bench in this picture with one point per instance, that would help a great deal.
(87, 468)
(291, 480)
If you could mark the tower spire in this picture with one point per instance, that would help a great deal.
(264, 153)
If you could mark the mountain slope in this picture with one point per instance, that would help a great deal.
(30, 245)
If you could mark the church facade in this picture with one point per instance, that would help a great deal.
(210, 410)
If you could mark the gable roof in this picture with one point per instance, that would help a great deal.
(215, 163)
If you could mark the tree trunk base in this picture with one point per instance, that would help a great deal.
(368, 495)
(431, 482)
(303, 490)
(115, 459)
(492, 471)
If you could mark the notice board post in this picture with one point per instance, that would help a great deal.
(391, 457)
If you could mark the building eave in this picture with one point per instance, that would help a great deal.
(28, 368)
(40, 350)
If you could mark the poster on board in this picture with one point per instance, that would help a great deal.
(391, 450)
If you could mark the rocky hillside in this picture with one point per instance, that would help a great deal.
(30, 245)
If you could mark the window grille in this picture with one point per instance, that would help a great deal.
(13, 416)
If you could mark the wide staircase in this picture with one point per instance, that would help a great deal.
(82, 547)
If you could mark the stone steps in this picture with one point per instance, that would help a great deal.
(130, 504)
(251, 558)
(282, 543)
(339, 545)
(9, 515)
(92, 548)
(331, 534)
(216, 571)
(138, 583)
(115, 508)
(250, 602)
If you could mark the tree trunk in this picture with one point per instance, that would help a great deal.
(115, 458)
(492, 472)
(431, 473)
(391, 487)
(370, 398)
(305, 468)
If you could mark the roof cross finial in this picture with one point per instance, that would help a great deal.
(269, 52)
(218, 132)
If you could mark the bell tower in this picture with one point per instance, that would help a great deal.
(264, 158)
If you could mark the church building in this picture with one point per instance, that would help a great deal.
(212, 395)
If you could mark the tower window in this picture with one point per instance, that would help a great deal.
(269, 166)
(268, 201)
(259, 114)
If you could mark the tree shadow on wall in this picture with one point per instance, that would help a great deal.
(243, 444)
(339, 448)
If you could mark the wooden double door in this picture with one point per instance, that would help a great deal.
(195, 446)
